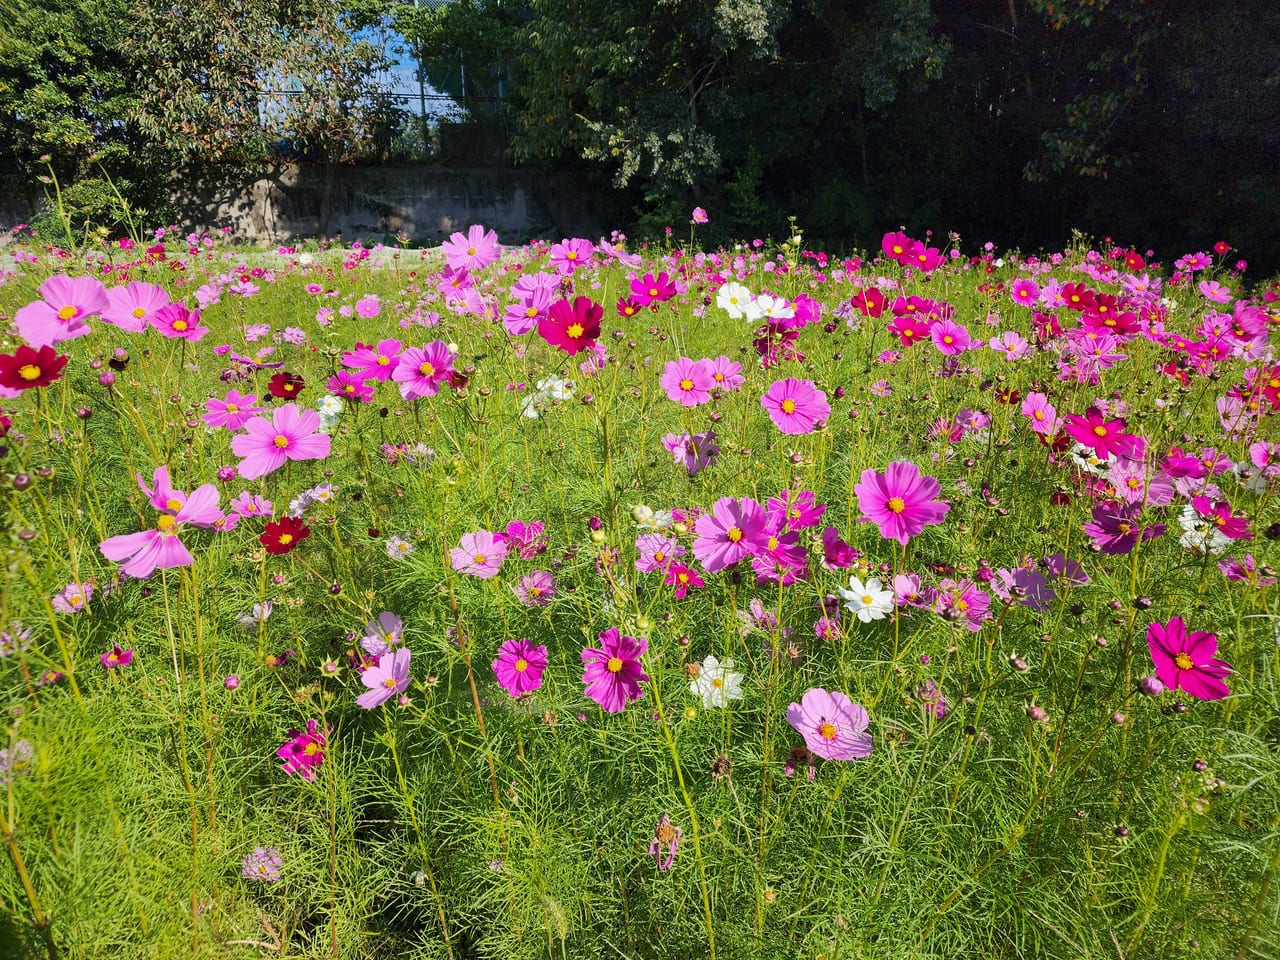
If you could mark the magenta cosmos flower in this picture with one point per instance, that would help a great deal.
(613, 672)
(421, 370)
(833, 726)
(372, 362)
(474, 251)
(386, 678)
(568, 255)
(480, 554)
(288, 435)
(1185, 660)
(141, 554)
(572, 327)
(900, 500)
(734, 529)
(519, 666)
(688, 382)
(176, 322)
(1105, 437)
(795, 406)
(65, 304)
(133, 305)
(303, 753)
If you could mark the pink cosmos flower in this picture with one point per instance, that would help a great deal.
(133, 305)
(1245, 570)
(795, 406)
(700, 215)
(568, 255)
(303, 753)
(73, 598)
(141, 554)
(572, 327)
(731, 531)
(480, 554)
(475, 251)
(1116, 528)
(794, 510)
(350, 386)
(727, 374)
(526, 313)
(176, 322)
(1185, 660)
(688, 382)
(117, 656)
(650, 289)
(683, 578)
(526, 538)
(949, 337)
(536, 589)
(836, 554)
(232, 412)
(1043, 414)
(368, 306)
(65, 304)
(289, 435)
(656, 552)
(373, 362)
(612, 671)
(900, 500)
(1105, 437)
(666, 837)
(385, 679)
(1011, 344)
(1219, 513)
(694, 452)
(519, 666)
(421, 370)
(1024, 292)
(833, 727)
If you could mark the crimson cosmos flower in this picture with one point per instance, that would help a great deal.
(27, 367)
(286, 385)
(281, 536)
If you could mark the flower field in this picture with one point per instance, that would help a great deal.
(597, 599)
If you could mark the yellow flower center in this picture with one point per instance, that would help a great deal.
(311, 749)
(389, 683)
(426, 369)
(614, 665)
(531, 312)
(653, 291)
(788, 405)
(773, 543)
(471, 251)
(827, 731)
(682, 577)
(1039, 414)
(896, 504)
(173, 503)
(575, 330)
(166, 524)
(139, 312)
(281, 441)
(1126, 527)
(286, 539)
(522, 665)
(660, 556)
(962, 605)
(383, 361)
(1099, 431)
(571, 255)
(1183, 661)
(734, 534)
(718, 682)
(479, 558)
(180, 325)
(909, 332)
(232, 408)
(686, 384)
(868, 599)
(67, 312)
(112, 657)
(29, 371)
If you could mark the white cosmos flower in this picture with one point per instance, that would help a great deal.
(717, 683)
(867, 601)
(733, 298)
(1201, 535)
(773, 308)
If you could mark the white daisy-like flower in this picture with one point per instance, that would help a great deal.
(867, 601)
(1201, 535)
(1087, 459)
(733, 299)
(398, 547)
(716, 683)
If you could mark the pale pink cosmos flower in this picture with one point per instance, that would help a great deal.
(141, 554)
(688, 382)
(65, 304)
(473, 251)
(132, 306)
(288, 435)
(421, 370)
(385, 679)
(480, 554)
(372, 362)
(232, 412)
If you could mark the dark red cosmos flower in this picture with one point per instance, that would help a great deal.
(281, 536)
(286, 385)
(27, 367)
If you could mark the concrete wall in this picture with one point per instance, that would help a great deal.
(427, 203)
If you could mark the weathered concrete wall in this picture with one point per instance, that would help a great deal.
(427, 203)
